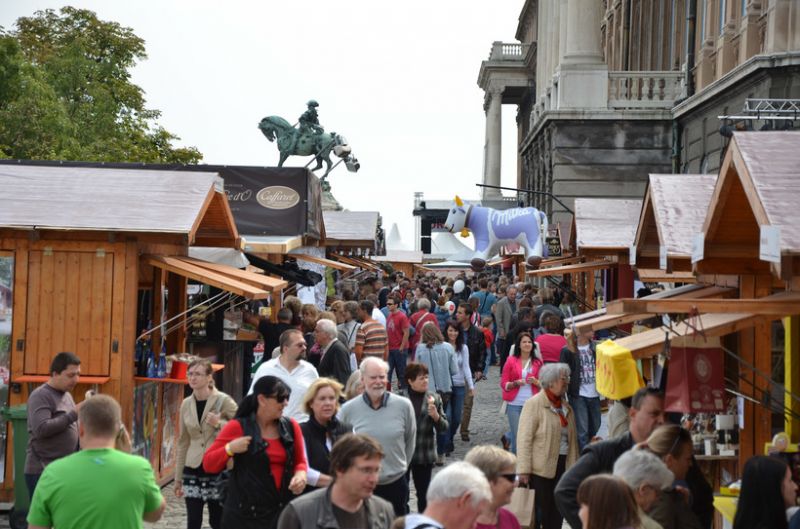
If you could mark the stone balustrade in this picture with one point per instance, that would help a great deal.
(508, 51)
(642, 90)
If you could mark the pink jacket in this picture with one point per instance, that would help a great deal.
(512, 370)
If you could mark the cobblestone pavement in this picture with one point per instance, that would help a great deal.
(486, 427)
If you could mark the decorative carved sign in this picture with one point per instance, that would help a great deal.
(278, 197)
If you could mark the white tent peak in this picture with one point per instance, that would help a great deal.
(394, 241)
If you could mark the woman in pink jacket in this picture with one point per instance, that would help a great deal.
(519, 382)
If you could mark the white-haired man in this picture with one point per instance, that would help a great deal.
(647, 476)
(456, 496)
(335, 362)
(389, 418)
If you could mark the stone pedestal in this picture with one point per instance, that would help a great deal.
(582, 86)
(582, 74)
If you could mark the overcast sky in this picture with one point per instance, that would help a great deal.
(398, 79)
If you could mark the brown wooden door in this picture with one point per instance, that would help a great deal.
(69, 309)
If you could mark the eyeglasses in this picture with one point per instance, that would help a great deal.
(510, 477)
(280, 399)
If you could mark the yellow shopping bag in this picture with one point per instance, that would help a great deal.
(617, 374)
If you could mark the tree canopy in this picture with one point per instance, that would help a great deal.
(66, 93)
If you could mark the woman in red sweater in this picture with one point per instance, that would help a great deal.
(552, 341)
(269, 462)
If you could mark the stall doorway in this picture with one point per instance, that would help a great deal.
(69, 306)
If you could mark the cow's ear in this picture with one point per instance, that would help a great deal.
(459, 202)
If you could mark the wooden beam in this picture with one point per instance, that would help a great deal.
(322, 261)
(560, 261)
(204, 275)
(654, 275)
(783, 304)
(252, 278)
(571, 269)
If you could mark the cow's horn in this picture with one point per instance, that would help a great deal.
(459, 202)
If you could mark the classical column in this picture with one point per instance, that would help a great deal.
(582, 74)
(494, 120)
(583, 44)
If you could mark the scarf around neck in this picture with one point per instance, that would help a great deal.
(555, 401)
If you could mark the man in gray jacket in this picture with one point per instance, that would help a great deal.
(348, 502)
(503, 310)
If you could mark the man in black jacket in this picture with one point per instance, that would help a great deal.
(647, 413)
(476, 345)
(335, 362)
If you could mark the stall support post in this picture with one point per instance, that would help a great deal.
(176, 304)
(791, 326)
(755, 347)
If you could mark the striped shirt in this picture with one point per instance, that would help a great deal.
(372, 337)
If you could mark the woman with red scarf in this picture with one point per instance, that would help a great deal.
(547, 441)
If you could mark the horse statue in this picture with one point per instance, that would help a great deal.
(291, 142)
(492, 228)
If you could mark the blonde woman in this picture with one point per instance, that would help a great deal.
(322, 429)
(202, 416)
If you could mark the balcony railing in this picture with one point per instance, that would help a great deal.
(508, 51)
(639, 90)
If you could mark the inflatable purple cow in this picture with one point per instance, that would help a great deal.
(492, 228)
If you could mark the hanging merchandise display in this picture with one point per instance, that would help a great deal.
(695, 377)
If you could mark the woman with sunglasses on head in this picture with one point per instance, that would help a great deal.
(547, 441)
(202, 415)
(269, 462)
(673, 445)
(499, 467)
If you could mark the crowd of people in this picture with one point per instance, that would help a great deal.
(353, 404)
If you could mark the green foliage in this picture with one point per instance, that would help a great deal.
(66, 93)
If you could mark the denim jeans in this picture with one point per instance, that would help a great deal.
(398, 358)
(454, 410)
(587, 418)
(513, 413)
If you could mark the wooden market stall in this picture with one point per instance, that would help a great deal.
(749, 241)
(401, 260)
(89, 247)
(601, 236)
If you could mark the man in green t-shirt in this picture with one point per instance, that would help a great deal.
(98, 487)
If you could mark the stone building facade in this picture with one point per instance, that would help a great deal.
(608, 91)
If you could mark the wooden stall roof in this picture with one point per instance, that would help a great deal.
(246, 284)
(650, 343)
(605, 319)
(605, 224)
(674, 209)
(278, 244)
(117, 200)
(656, 275)
(757, 187)
(351, 228)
